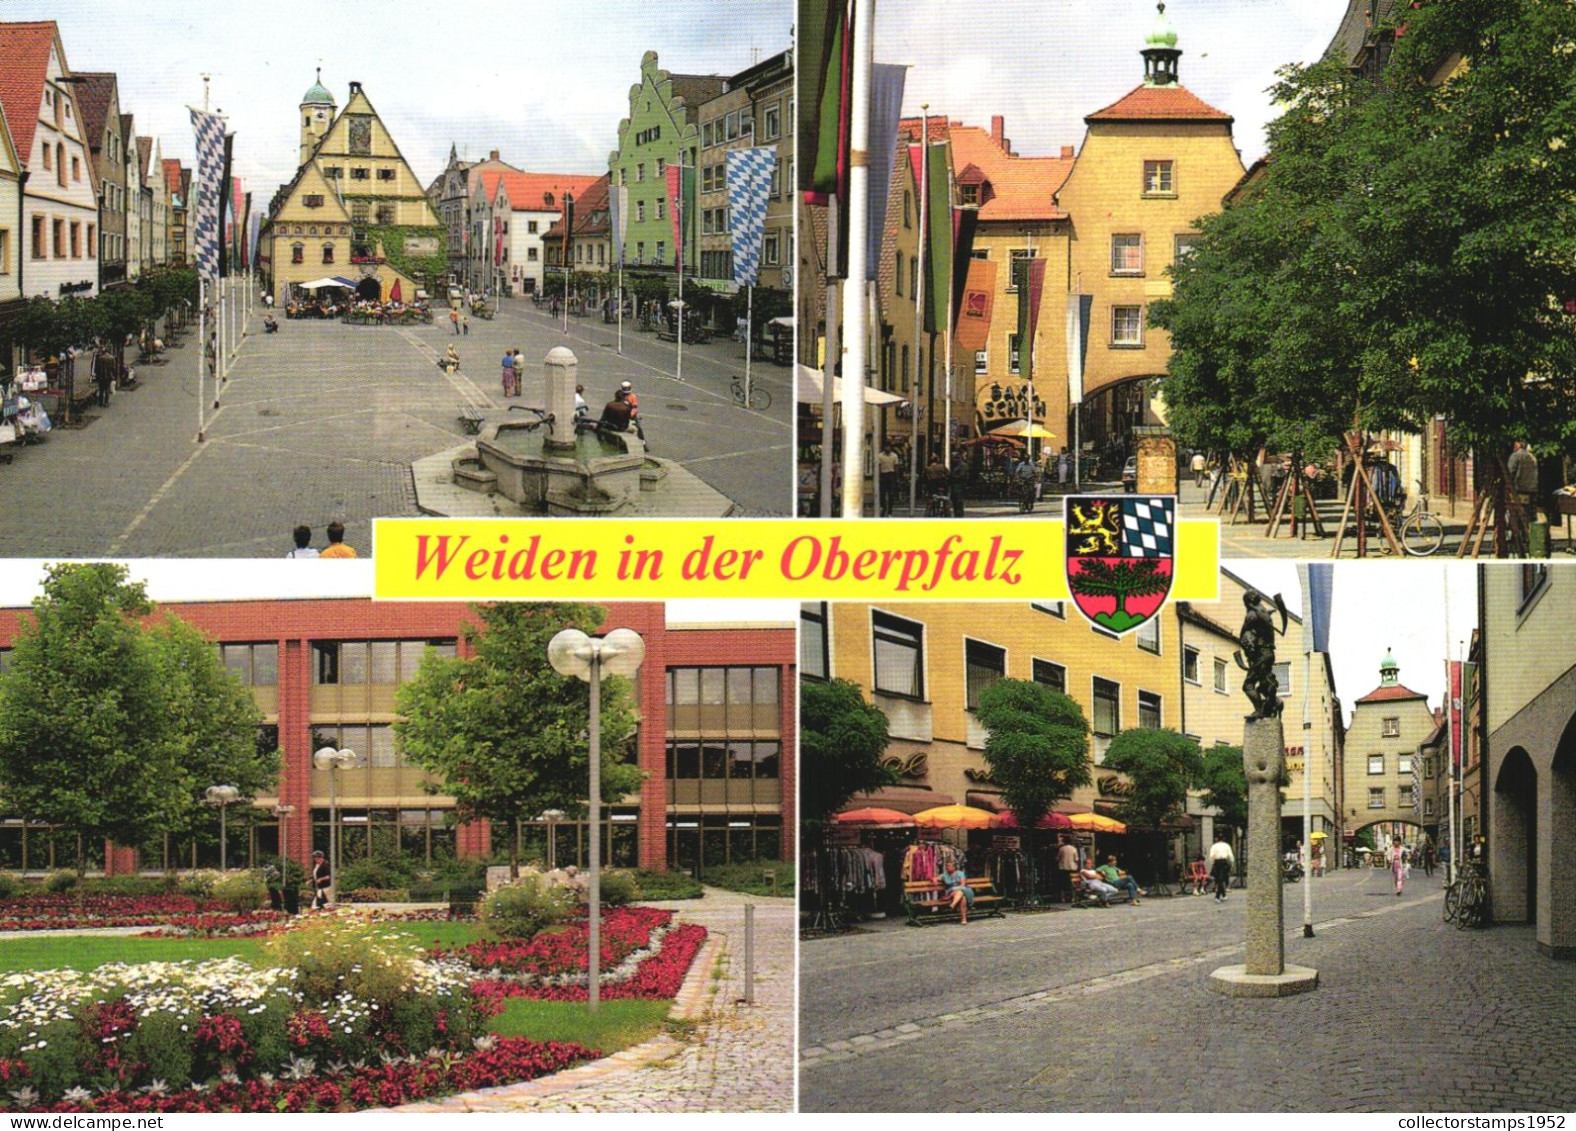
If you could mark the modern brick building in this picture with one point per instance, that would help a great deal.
(716, 738)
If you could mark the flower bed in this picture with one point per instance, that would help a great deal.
(565, 952)
(395, 1080)
(260, 923)
(656, 976)
(53, 912)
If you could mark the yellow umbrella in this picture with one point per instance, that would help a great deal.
(1021, 427)
(954, 817)
(1318, 836)
(1096, 822)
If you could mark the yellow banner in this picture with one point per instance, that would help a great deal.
(800, 559)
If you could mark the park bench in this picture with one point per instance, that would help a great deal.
(925, 901)
(1085, 896)
(471, 419)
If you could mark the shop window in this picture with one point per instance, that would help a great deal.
(899, 655)
(983, 665)
(1190, 664)
(1050, 675)
(1149, 710)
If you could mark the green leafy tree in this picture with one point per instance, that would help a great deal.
(1225, 784)
(86, 738)
(1119, 580)
(841, 740)
(1036, 745)
(504, 731)
(1406, 250)
(1161, 766)
(215, 723)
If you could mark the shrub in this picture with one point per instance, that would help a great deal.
(667, 885)
(60, 881)
(386, 871)
(128, 885)
(374, 895)
(10, 885)
(521, 909)
(619, 888)
(751, 878)
(335, 955)
(241, 891)
(199, 884)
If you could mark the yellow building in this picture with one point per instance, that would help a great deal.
(925, 665)
(354, 210)
(1388, 725)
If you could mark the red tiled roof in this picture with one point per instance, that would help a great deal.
(172, 175)
(1159, 104)
(1395, 693)
(93, 104)
(25, 49)
(1021, 188)
(528, 191)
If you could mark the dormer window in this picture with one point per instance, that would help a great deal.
(969, 194)
(547, 199)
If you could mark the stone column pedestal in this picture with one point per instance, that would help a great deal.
(1265, 974)
(561, 368)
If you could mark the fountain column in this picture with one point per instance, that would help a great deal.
(560, 369)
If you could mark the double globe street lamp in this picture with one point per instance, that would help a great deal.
(222, 796)
(333, 761)
(573, 653)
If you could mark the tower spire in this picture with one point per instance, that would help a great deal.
(1161, 52)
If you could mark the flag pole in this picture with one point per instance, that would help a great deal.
(855, 344)
(919, 291)
(678, 260)
(1303, 580)
(749, 337)
(1450, 725)
(618, 300)
(202, 345)
(946, 437)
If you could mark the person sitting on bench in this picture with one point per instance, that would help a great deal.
(616, 415)
(959, 894)
(1096, 882)
(1119, 879)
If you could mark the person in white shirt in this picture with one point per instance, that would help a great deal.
(1221, 862)
(303, 543)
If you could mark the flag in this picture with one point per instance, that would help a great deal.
(569, 233)
(226, 210)
(618, 209)
(1029, 278)
(964, 223)
(681, 194)
(886, 110)
(209, 129)
(749, 177)
(1321, 586)
(975, 309)
(938, 251)
(1455, 671)
(1079, 307)
(248, 234)
(827, 70)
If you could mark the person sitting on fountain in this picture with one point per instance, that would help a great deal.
(616, 414)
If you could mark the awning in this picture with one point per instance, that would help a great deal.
(809, 389)
(318, 284)
(344, 282)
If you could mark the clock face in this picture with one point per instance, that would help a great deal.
(320, 115)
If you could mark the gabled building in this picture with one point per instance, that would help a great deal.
(60, 207)
(98, 97)
(11, 216)
(450, 198)
(1388, 725)
(662, 129)
(175, 228)
(133, 181)
(354, 208)
(521, 208)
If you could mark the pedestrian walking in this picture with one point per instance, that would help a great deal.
(465, 323)
(1199, 464)
(957, 480)
(886, 463)
(336, 547)
(103, 377)
(1221, 861)
(454, 320)
(509, 385)
(1066, 868)
(303, 543)
(1522, 467)
(322, 880)
(1397, 863)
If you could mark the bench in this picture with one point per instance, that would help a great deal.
(1085, 896)
(926, 901)
(471, 419)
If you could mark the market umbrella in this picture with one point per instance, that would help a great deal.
(954, 817)
(1006, 820)
(1096, 823)
(1318, 836)
(994, 438)
(809, 385)
(1022, 427)
(885, 818)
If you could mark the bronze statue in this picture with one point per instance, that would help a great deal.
(1258, 645)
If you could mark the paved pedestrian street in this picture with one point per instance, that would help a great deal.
(323, 420)
(1110, 1009)
(720, 1056)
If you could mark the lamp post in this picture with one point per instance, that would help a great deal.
(283, 813)
(333, 761)
(573, 653)
(552, 817)
(222, 795)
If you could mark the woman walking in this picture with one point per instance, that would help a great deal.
(1397, 863)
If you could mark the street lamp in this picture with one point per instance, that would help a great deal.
(283, 813)
(222, 795)
(333, 761)
(552, 817)
(573, 653)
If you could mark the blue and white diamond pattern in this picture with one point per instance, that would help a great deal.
(1148, 528)
(210, 175)
(749, 185)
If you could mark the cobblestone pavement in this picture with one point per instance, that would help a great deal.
(1111, 1010)
(734, 1058)
(322, 421)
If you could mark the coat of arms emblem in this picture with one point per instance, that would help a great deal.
(1120, 556)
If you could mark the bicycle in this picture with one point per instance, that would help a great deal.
(1027, 494)
(1466, 900)
(759, 398)
(938, 505)
(1419, 530)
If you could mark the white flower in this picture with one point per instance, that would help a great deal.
(485, 1042)
(157, 1088)
(27, 1097)
(78, 1095)
(301, 1068)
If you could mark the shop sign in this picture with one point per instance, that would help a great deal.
(1112, 786)
(915, 765)
(76, 288)
(979, 777)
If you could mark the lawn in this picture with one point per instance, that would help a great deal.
(615, 1025)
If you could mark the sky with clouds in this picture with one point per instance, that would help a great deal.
(545, 83)
(1046, 64)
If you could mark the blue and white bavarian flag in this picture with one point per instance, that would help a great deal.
(749, 186)
(210, 175)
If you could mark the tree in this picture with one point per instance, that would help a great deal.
(504, 731)
(1161, 766)
(86, 738)
(1119, 579)
(841, 740)
(1225, 784)
(1036, 745)
(1407, 249)
(215, 723)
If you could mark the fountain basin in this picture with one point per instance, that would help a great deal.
(595, 474)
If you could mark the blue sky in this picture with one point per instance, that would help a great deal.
(1045, 64)
(546, 83)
